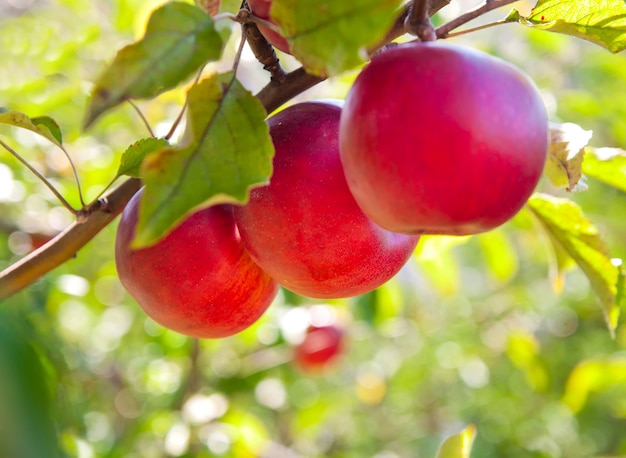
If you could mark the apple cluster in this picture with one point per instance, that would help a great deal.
(218, 271)
(432, 139)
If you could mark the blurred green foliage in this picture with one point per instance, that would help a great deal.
(473, 331)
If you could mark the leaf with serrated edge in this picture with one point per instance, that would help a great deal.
(330, 37)
(135, 154)
(565, 155)
(227, 151)
(458, 445)
(43, 125)
(607, 165)
(602, 22)
(179, 39)
(567, 225)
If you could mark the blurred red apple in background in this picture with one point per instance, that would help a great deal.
(320, 348)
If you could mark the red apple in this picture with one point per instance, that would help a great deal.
(320, 348)
(441, 139)
(261, 8)
(305, 229)
(198, 280)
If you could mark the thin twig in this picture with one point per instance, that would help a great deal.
(242, 43)
(250, 17)
(65, 245)
(398, 29)
(143, 118)
(444, 30)
(43, 179)
(262, 49)
(75, 172)
(231, 16)
(475, 29)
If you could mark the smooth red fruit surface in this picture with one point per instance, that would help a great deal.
(198, 280)
(440, 139)
(305, 229)
(320, 348)
(261, 8)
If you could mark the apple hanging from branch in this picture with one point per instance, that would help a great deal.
(441, 139)
(198, 280)
(305, 229)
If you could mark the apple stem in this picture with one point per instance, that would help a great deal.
(418, 21)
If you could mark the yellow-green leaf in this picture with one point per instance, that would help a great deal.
(594, 375)
(499, 254)
(42, 125)
(568, 227)
(458, 445)
(602, 22)
(565, 156)
(607, 165)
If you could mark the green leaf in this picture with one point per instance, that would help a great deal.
(46, 122)
(330, 37)
(179, 39)
(565, 156)
(26, 392)
(227, 151)
(607, 165)
(43, 125)
(568, 227)
(602, 22)
(135, 153)
(561, 264)
(458, 445)
(594, 375)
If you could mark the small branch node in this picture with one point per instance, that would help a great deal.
(418, 23)
(264, 52)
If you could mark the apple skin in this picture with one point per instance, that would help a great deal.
(440, 139)
(198, 280)
(261, 8)
(305, 229)
(320, 348)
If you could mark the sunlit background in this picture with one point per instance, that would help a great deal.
(474, 330)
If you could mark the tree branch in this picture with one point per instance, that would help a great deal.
(264, 52)
(444, 30)
(418, 21)
(65, 245)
